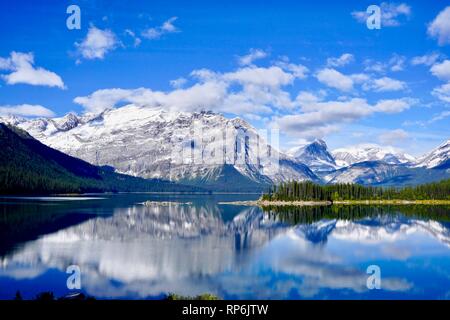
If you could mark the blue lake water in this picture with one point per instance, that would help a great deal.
(128, 250)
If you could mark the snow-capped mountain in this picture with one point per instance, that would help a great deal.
(370, 172)
(179, 146)
(208, 149)
(370, 152)
(437, 158)
(375, 165)
(316, 156)
(383, 173)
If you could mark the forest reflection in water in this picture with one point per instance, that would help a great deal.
(309, 214)
(129, 250)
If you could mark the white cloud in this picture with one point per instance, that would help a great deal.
(298, 70)
(385, 84)
(343, 60)
(23, 71)
(256, 93)
(254, 54)
(97, 43)
(442, 115)
(157, 32)
(320, 118)
(248, 90)
(439, 28)
(178, 83)
(427, 59)
(391, 14)
(397, 62)
(195, 98)
(436, 117)
(393, 137)
(305, 98)
(335, 79)
(393, 105)
(204, 74)
(359, 77)
(26, 110)
(105, 98)
(441, 70)
(5, 63)
(442, 92)
(374, 66)
(136, 40)
(168, 26)
(269, 77)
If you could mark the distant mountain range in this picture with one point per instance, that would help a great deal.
(209, 150)
(370, 152)
(370, 164)
(29, 167)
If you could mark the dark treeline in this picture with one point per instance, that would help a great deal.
(308, 191)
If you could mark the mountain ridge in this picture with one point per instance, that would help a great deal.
(29, 167)
(316, 156)
(176, 146)
(206, 148)
(370, 152)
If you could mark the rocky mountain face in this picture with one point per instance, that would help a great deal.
(370, 164)
(177, 146)
(437, 158)
(345, 157)
(27, 166)
(387, 174)
(208, 149)
(316, 156)
(375, 165)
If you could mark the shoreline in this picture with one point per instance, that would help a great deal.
(266, 203)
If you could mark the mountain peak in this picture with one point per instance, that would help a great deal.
(370, 152)
(12, 119)
(69, 121)
(315, 155)
(319, 142)
(436, 158)
(173, 145)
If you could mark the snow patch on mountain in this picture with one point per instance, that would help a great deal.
(370, 152)
(315, 155)
(438, 157)
(154, 143)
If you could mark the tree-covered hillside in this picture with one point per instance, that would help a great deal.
(29, 167)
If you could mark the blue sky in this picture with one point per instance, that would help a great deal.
(312, 68)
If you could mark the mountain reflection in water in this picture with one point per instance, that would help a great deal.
(139, 251)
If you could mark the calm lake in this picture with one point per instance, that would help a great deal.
(127, 250)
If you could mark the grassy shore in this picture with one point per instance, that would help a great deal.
(266, 203)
